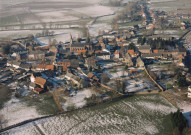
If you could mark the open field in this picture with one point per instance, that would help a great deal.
(26, 15)
(170, 5)
(134, 115)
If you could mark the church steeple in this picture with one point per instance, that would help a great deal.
(71, 40)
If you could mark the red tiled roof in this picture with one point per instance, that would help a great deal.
(116, 52)
(131, 51)
(38, 90)
(65, 68)
(40, 81)
(51, 67)
(90, 75)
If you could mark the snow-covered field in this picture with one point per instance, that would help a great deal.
(97, 29)
(35, 16)
(18, 34)
(15, 111)
(95, 10)
(120, 72)
(78, 99)
(135, 115)
(55, 16)
(60, 35)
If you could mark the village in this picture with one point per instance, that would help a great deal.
(101, 67)
(140, 55)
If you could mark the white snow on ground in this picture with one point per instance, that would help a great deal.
(60, 35)
(78, 100)
(97, 29)
(95, 10)
(139, 85)
(153, 107)
(15, 111)
(109, 65)
(118, 74)
(54, 16)
(186, 106)
(18, 34)
(128, 116)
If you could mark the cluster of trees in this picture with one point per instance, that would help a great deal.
(160, 43)
(45, 33)
(181, 80)
(130, 12)
(121, 85)
(105, 78)
(141, 40)
(6, 49)
(132, 46)
(178, 122)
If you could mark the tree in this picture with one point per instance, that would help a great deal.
(90, 69)
(131, 46)
(105, 78)
(178, 121)
(99, 69)
(6, 49)
(106, 41)
(181, 80)
(79, 40)
(118, 85)
(126, 67)
(88, 40)
(123, 86)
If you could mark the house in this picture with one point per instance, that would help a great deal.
(34, 75)
(65, 62)
(90, 75)
(14, 64)
(145, 49)
(53, 49)
(103, 56)
(65, 69)
(131, 51)
(91, 62)
(189, 92)
(109, 36)
(36, 55)
(79, 47)
(139, 62)
(116, 54)
(60, 49)
(128, 60)
(45, 67)
(73, 78)
(38, 90)
(84, 83)
(74, 63)
(41, 82)
(32, 86)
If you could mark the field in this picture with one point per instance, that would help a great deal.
(145, 114)
(170, 5)
(16, 15)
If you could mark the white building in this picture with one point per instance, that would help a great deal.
(103, 56)
(189, 92)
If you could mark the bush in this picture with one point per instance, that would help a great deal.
(169, 86)
(69, 108)
(178, 121)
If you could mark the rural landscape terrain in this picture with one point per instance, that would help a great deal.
(95, 67)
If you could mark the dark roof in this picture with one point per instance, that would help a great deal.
(78, 45)
(102, 54)
(145, 47)
(32, 84)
